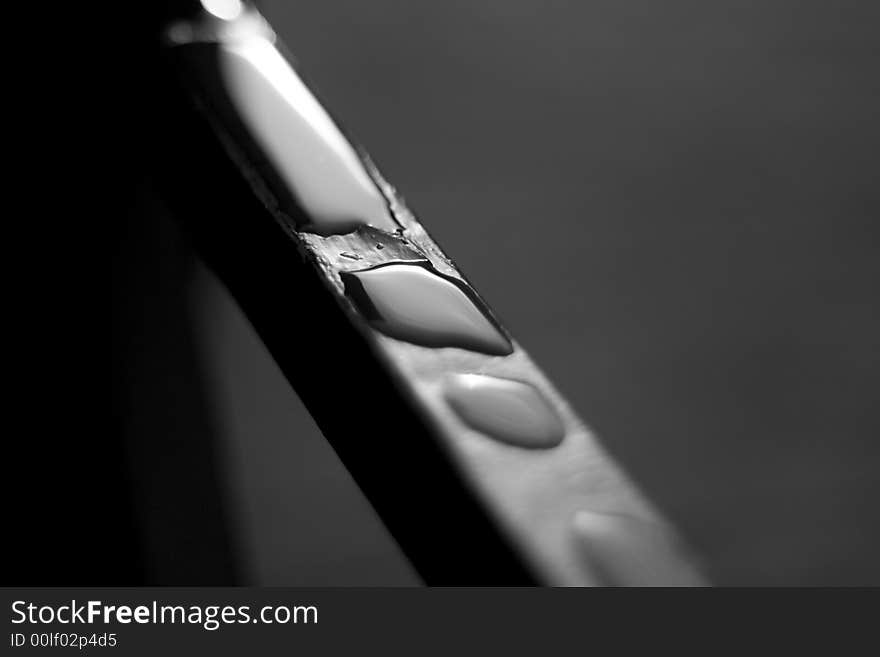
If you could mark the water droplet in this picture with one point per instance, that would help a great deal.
(350, 256)
(416, 303)
(624, 551)
(380, 246)
(514, 412)
(314, 166)
(226, 10)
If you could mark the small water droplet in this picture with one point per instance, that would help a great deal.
(380, 246)
(624, 551)
(514, 412)
(416, 303)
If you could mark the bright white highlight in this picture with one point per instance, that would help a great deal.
(227, 10)
(301, 140)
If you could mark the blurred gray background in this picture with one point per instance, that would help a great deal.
(673, 205)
